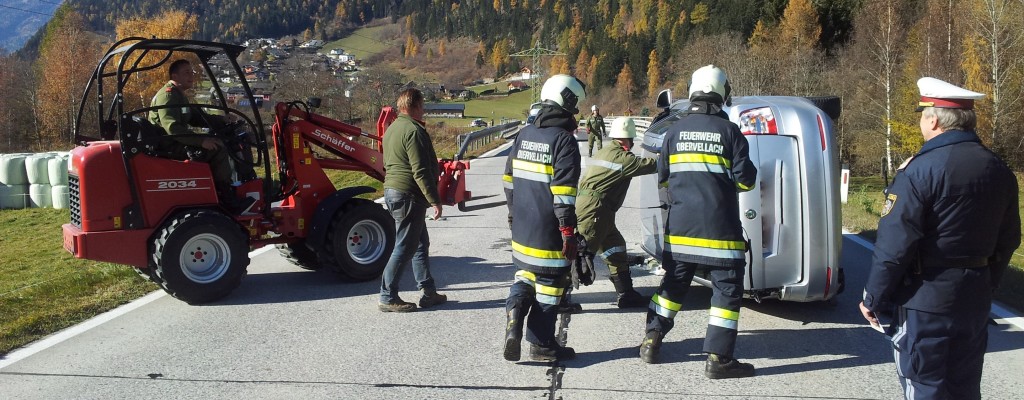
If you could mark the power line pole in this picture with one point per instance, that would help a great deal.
(536, 53)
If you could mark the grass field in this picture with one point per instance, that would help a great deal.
(44, 289)
(362, 43)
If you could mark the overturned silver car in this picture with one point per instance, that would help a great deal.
(792, 217)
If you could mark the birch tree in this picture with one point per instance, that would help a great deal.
(880, 33)
(997, 26)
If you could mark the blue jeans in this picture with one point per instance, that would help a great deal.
(411, 244)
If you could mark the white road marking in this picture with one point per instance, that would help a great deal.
(93, 322)
(998, 310)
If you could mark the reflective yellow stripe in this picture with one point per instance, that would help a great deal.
(669, 304)
(506, 178)
(723, 313)
(542, 289)
(533, 167)
(707, 243)
(532, 252)
(527, 274)
(698, 158)
(743, 187)
(563, 190)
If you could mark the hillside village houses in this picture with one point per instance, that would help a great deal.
(267, 58)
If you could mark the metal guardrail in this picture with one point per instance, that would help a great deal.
(474, 140)
(642, 123)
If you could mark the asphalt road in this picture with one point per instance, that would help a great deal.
(288, 333)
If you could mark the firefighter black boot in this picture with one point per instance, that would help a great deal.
(650, 347)
(721, 367)
(514, 333)
(551, 353)
(628, 297)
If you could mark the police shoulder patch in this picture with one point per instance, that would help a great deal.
(890, 201)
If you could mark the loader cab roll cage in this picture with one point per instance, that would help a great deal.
(132, 128)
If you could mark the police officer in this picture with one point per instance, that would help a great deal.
(949, 226)
(704, 161)
(595, 130)
(175, 115)
(541, 175)
(601, 193)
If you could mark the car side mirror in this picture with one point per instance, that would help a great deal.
(665, 98)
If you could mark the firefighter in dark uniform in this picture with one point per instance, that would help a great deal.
(949, 226)
(704, 162)
(595, 130)
(601, 193)
(541, 177)
(175, 116)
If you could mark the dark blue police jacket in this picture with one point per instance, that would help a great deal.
(949, 226)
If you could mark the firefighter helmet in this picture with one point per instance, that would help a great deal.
(565, 91)
(709, 83)
(623, 128)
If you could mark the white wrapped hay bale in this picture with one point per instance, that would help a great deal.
(37, 167)
(39, 195)
(12, 169)
(13, 196)
(57, 168)
(60, 196)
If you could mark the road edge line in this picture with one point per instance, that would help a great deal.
(999, 310)
(84, 326)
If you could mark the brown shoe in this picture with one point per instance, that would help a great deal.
(396, 306)
(432, 298)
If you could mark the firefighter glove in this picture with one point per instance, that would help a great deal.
(583, 266)
(569, 245)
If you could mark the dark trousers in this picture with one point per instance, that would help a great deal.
(940, 356)
(723, 315)
(604, 239)
(591, 139)
(220, 164)
(412, 244)
(539, 296)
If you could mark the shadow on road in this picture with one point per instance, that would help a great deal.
(295, 286)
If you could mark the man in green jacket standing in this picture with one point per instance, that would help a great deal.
(410, 187)
(595, 130)
(601, 194)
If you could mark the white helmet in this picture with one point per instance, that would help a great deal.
(593, 108)
(565, 91)
(623, 128)
(709, 83)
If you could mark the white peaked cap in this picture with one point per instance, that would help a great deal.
(942, 94)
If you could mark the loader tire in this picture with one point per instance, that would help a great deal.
(297, 253)
(360, 239)
(200, 256)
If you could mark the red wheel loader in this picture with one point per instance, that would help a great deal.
(132, 204)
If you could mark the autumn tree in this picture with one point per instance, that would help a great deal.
(799, 33)
(66, 61)
(881, 35)
(17, 115)
(998, 27)
(171, 24)
(653, 74)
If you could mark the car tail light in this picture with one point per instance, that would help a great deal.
(758, 121)
(821, 132)
(828, 281)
